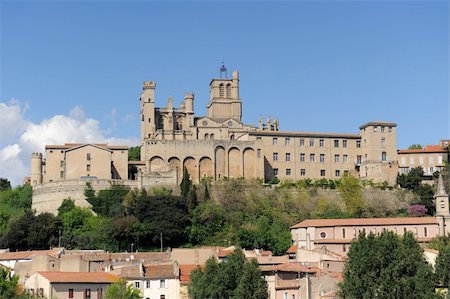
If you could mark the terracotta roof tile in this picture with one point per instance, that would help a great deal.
(364, 222)
(185, 272)
(24, 255)
(155, 271)
(435, 148)
(292, 249)
(79, 277)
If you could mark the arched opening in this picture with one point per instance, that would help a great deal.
(221, 90)
(228, 90)
(383, 156)
(232, 137)
(234, 162)
(211, 136)
(220, 162)
(205, 166)
(176, 163)
(249, 163)
(156, 164)
(189, 163)
(206, 136)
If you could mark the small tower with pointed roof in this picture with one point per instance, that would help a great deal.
(442, 208)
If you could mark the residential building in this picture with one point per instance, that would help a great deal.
(430, 158)
(71, 285)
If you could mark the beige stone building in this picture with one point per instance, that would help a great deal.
(431, 158)
(336, 234)
(73, 285)
(75, 161)
(219, 145)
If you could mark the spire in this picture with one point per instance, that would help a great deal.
(440, 188)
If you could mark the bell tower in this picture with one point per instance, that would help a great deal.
(147, 110)
(442, 208)
(224, 97)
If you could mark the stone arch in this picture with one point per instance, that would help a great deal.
(176, 163)
(220, 162)
(156, 164)
(234, 162)
(249, 162)
(211, 136)
(228, 90)
(205, 167)
(191, 167)
(221, 90)
(206, 137)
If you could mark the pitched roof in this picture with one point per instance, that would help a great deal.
(290, 267)
(364, 222)
(292, 249)
(79, 277)
(25, 255)
(378, 123)
(436, 148)
(185, 272)
(302, 134)
(160, 271)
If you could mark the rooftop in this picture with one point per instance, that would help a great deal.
(79, 277)
(364, 222)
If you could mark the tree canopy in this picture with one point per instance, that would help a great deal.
(234, 278)
(120, 290)
(387, 266)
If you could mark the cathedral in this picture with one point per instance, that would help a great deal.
(219, 145)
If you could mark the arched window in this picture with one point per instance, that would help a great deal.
(221, 90)
(228, 90)
(206, 136)
(232, 137)
(383, 156)
(211, 136)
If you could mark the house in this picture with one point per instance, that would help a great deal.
(70, 285)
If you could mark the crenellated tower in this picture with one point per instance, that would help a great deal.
(224, 97)
(147, 101)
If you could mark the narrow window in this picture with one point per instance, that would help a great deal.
(322, 172)
(228, 90)
(221, 91)
(321, 141)
(258, 153)
(88, 167)
(344, 159)
(311, 142)
(344, 143)
(302, 172)
(302, 157)
(336, 158)
(287, 141)
(88, 157)
(61, 163)
(425, 232)
(288, 171)
(274, 141)
(383, 156)
(343, 233)
(302, 142)
(288, 157)
(70, 295)
(337, 173)
(275, 171)
(311, 157)
(336, 143)
(322, 158)
(61, 174)
(358, 143)
(275, 156)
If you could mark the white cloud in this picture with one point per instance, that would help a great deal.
(28, 137)
(12, 121)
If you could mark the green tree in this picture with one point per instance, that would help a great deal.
(108, 202)
(412, 179)
(443, 267)
(387, 266)
(351, 192)
(235, 278)
(66, 206)
(251, 285)
(185, 184)
(120, 290)
(415, 146)
(134, 153)
(9, 284)
(4, 184)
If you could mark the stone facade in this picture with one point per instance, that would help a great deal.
(431, 158)
(220, 145)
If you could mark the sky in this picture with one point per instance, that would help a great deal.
(72, 71)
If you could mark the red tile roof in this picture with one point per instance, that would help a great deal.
(365, 222)
(292, 249)
(79, 277)
(25, 255)
(435, 148)
(185, 272)
(155, 271)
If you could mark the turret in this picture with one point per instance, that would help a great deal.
(147, 100)
(441, 199)
(36, 169)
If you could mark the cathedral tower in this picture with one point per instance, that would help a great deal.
(224, 97)
(147, 110)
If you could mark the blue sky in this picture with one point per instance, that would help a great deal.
(315, 65)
